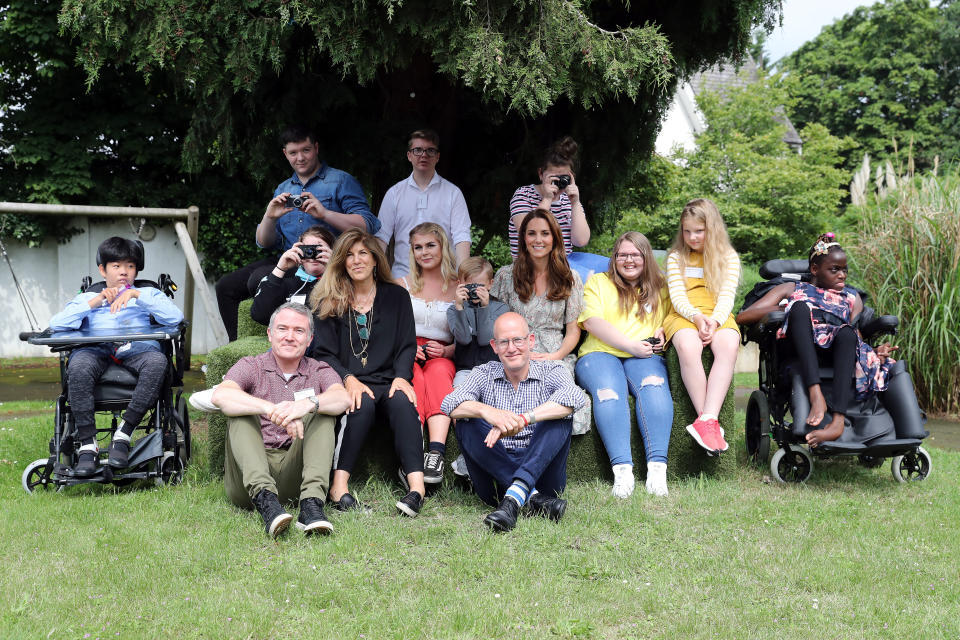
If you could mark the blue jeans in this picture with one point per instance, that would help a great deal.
(606, 377)
(543, 464)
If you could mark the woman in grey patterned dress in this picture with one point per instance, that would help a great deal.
(542, 287)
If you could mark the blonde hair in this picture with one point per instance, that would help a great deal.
(448, 264)
(716, 242)
(333, 294)
(474, 265)
(648, 290)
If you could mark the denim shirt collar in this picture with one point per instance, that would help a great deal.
(320, 174)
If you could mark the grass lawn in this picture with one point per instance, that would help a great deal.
(851, 554)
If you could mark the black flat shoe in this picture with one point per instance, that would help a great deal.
(119, 454)
(86, 464)
(347, 503)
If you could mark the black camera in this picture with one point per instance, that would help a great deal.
(472, 294)
(297, 202)
(562, 181)
(653, 340)
(311, 251)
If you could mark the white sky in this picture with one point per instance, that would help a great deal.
(802, 21)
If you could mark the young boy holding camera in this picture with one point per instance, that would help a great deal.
(472, 316)
(119, 305)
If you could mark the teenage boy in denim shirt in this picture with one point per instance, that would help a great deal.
(333, 199)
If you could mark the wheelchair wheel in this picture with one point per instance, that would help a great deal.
(793, 466)
(758, 428)
(911, 466)
(171, 470)
(37, 476)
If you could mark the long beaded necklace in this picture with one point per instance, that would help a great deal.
(364, 325)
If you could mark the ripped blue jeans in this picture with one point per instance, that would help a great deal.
(607, 378)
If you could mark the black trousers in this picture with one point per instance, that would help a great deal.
(403, 419)
(85, 368)
(233, 288)
(841, 355)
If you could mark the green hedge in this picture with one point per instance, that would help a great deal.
(247, 326)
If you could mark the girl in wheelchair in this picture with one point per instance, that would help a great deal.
(820, 315)
(118, 305)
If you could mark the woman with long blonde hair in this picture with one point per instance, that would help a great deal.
(541, 287)
(365, 331)
(703, 272)
(624, 309)
(432, 283)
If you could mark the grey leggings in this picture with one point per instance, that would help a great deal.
(85, 368)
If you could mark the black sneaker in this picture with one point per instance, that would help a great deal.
(546, 507)
(275, 519)
(119, 454)
(410, 504)
(433, 467)
(504, 518)
(312, 518)
(86, 463)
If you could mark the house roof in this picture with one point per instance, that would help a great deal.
(726, 75)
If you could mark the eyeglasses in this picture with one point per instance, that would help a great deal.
(623, 257)
(518, 342)
(430, 151)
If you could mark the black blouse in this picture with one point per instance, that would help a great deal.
(393, 339)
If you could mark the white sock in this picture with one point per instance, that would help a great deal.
(120, 435)
(623, 481)
(657, 478)
(708, 416)
(89, 447)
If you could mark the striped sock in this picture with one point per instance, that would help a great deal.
(519, 492)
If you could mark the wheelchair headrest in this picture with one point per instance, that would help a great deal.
(164, 283)
(787, 269)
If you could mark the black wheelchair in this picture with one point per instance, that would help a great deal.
(889, 424)
(162, 453)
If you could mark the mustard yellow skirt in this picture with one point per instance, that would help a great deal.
(704, 301)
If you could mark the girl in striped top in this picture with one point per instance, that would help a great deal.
(557, 194)
(703, 271)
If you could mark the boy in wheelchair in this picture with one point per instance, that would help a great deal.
(118, 305)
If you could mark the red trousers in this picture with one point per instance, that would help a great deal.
(432, 381)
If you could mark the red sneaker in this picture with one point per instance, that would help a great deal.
(704, 435)
(718, 441)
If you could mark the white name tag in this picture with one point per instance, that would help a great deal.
(422, 202)
(693, 272)
(299, 299)
(305, 393)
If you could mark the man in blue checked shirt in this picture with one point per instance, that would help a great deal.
(331, 198)
(514, 425)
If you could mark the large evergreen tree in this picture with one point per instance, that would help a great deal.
(499, 79)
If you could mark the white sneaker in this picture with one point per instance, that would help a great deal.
(459, 467)
(203, 400)
(623, 481)
(657, 478)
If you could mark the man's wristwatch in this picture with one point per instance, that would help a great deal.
(316, 404)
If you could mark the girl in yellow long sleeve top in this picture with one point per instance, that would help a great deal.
(703, 271)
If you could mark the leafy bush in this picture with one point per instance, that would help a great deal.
(904, 251)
